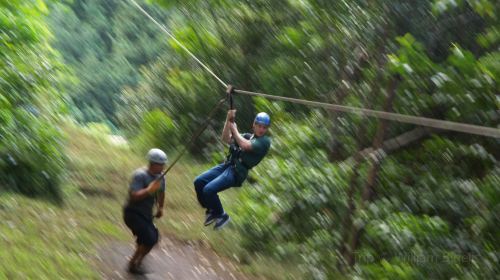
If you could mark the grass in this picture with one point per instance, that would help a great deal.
(47, 241)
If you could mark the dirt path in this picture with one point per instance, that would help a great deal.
(170, 259)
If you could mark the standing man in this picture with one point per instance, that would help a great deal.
(245, 151)
(145, 189)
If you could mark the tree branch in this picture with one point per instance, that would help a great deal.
(393, 144)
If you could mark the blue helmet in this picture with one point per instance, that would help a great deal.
(262, 118)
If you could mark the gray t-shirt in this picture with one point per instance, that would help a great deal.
(140, 180)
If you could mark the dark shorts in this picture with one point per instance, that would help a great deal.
(144, 229)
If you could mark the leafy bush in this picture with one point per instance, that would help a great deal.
(156, 130)
(31, 159)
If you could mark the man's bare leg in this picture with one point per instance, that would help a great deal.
(138, 256)
(144, 250)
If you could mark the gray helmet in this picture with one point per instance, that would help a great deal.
(157, 156)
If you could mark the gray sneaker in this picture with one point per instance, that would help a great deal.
(209, 217)
(222, 221)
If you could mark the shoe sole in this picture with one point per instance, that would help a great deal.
(210, 222)
(222, 225)
(137, 271)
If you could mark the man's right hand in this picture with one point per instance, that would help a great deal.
(154, 186)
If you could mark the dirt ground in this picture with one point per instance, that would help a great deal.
(170, 259)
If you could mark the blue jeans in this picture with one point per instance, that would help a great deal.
(212, 181)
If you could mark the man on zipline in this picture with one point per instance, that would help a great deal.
(245, 151)
(145, 188)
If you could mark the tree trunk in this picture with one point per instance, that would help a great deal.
(368, 189)
(347, 223)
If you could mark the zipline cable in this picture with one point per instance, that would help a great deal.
(162, 27)
(421, 121)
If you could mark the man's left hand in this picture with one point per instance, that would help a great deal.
(159, 213)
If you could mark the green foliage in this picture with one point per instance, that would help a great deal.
(105, 43)
(31, 159)
(62, 241)
(423, 210)
(272, 213)
(98, 129)
(423, 220)
(157, 130)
